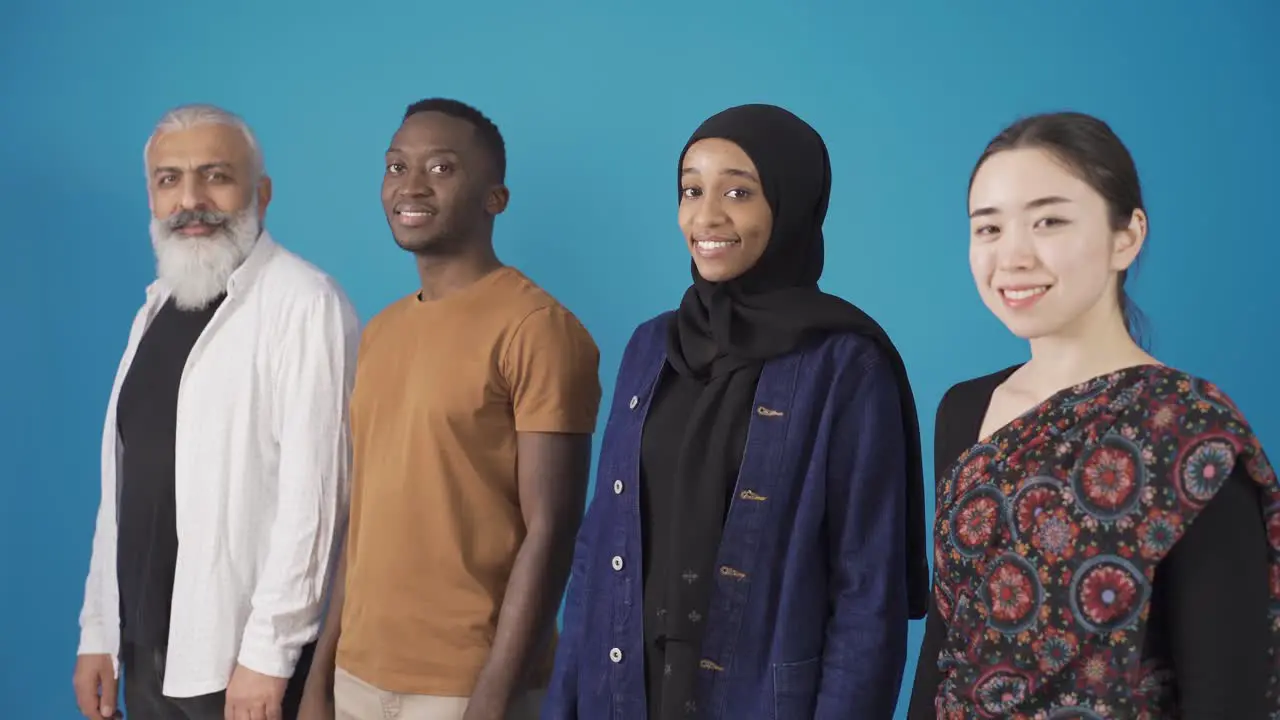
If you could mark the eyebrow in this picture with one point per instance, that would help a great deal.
(163, 169)
(430, 151)
(734, 172)
(1037, 203)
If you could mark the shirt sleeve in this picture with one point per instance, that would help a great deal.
(552, 367)
(866, 516)
(1213, 591)
(319, 338)
(928, 677)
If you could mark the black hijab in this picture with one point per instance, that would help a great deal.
(724, 332)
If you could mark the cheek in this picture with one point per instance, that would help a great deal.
(755, 229)
(982, 263)
(684, 218)
(227, 199)
(163, 204)
(1076, 266)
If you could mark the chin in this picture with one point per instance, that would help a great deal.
(197, 268)
(1021, 324)
(717, 273)
(415, 244)
(1023, 333)
(1030, 328)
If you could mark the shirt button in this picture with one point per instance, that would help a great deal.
(617, 487)
(634, 402)
(615, 655)
(617, 562)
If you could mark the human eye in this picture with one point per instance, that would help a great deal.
(1050, 222)
(688, 193)
(986, 231)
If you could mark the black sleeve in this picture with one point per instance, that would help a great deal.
(924, 689)
(1216, 597)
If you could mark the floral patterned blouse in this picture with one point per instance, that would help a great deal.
(1048, 535)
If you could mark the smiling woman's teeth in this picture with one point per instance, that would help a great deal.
(1025, 293)
(715, 244)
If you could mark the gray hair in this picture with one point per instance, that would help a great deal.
(185, 117)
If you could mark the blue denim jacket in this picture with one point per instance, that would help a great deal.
(808, 619)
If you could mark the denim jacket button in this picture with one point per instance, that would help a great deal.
(617, 487)
(617, 562)
(634, 402)
(615, 655)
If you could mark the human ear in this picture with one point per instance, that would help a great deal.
(1129, 241)
(496, 200)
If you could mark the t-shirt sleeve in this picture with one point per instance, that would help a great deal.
(552, 367)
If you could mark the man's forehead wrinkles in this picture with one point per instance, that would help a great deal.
(194, 162)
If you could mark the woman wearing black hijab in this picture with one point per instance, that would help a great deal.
(756, 543)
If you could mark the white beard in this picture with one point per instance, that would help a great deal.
(196, 269)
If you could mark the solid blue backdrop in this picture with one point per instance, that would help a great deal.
(595, 100)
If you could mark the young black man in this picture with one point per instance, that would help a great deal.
(475, 401)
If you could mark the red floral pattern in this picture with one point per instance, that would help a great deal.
(1110, 477)
(977, 521)
(1048, 535)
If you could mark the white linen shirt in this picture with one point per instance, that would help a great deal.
(261, 477)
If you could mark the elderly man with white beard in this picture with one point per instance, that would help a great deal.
(226, 451)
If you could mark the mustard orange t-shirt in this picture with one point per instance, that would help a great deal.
(442, 387)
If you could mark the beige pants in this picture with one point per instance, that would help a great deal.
(355, 699)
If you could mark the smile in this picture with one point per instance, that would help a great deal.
(711, 248)
(1024, 293)
(197, 229)
(414, 216)
(1020, 298)
(715, 244)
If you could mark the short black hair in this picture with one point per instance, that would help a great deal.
(489, 135)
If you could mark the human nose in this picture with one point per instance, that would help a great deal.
(709, 213)
(193, 194)
(416, 182)
(1016, 250)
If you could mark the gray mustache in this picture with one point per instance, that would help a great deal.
(184, 218)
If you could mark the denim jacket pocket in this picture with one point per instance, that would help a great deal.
(795, 689)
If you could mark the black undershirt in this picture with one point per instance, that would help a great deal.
(1210, 597)
(663, 436)
(146, 418)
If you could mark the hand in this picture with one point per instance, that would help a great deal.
(254, 696)
(95, 685)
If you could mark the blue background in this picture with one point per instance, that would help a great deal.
(595, 100)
